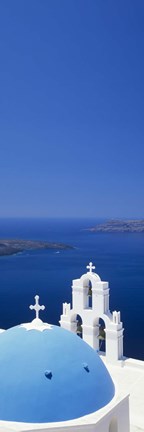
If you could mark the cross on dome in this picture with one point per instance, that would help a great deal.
(90, 267)
(37, 307)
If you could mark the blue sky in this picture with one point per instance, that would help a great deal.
(72, 108)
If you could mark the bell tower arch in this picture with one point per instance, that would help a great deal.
(90, 285)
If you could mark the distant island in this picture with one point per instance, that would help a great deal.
(120, 225)
(10, 247)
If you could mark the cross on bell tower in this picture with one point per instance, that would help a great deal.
(91, 267)
(37, 307)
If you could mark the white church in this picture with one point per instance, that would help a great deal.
(52, 380)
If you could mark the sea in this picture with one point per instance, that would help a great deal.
(118, 257)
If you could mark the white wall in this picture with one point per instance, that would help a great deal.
(97, 422)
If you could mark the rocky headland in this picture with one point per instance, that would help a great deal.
(10, 247)
(120, 225)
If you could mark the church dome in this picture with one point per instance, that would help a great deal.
(48, 374)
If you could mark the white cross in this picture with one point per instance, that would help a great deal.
(91, 267)
(37, 307)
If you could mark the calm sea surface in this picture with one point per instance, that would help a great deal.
(119, 259)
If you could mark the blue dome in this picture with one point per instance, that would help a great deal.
(50, 376)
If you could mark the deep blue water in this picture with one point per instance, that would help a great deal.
(119, 259)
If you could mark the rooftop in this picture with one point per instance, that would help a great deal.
(129, 377)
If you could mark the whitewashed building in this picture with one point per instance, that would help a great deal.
(90, 300)
(53, 380)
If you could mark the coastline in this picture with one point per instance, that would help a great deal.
(13, 247)
(119, 226)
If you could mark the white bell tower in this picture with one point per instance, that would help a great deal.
(90, 300)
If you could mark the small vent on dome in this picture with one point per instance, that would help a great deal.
(85, 366)
(48, 374)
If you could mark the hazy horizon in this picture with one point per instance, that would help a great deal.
(74, 217)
